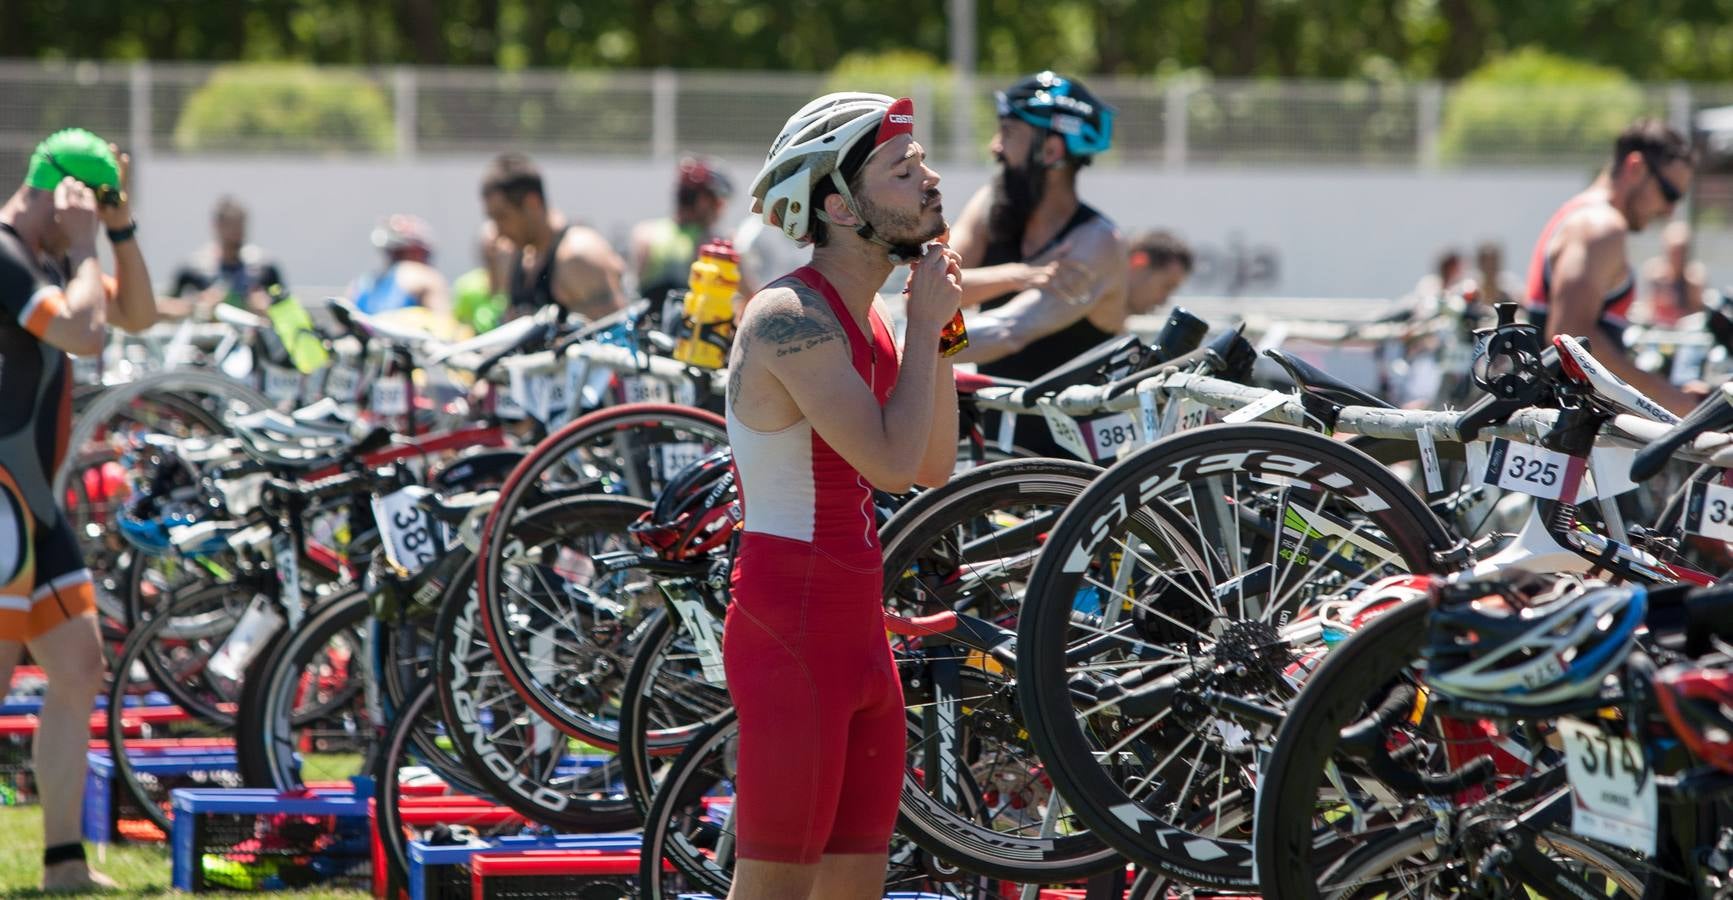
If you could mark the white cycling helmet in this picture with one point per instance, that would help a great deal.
(811, 147)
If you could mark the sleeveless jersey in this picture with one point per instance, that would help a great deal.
(792, 484)
(1615, 306)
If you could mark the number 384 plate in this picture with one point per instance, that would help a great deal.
(410, 541)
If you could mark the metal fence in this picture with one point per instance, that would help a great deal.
(404, 112)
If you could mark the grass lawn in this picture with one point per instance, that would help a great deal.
(142, 870)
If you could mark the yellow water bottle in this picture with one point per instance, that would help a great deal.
(709, 307)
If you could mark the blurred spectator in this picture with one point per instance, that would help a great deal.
(1672, 282)
(229, 270)
(663, 249)
(407, 279)
(1444, 275)
(1494, 284)
(765, 255)
(1160, 263)
(478, 296)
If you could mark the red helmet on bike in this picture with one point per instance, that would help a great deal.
(696, 512)
(1698, 703)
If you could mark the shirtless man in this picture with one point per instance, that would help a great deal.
(822, 407)
(585, 275)
(1579, 280)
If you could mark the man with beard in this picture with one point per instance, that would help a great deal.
(1050, 126)
(822, 407)
(1579, 280)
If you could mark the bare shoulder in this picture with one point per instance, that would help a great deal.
(789, 318)
(1595, 225)
(1097, 241)
(586, 245)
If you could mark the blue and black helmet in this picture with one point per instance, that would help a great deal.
(1063, 106)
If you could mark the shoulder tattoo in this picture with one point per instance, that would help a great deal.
(791, 331)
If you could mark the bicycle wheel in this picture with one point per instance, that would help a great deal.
(665, 700)
(651, 441)
(90, 482)
(514, 755)
(416, 755)
(216, 728)
(199, 397)
(1354, 833)
(562, 613)
(310, 721)
(1412, 863)
(970, 547)
(690, 826)
(1186, 578)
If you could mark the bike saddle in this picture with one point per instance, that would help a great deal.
(1313, 380)
(453, 510)
(972, 382)
(325, 414)
(286, 440)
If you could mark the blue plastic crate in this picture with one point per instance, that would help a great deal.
(107, 803)
(262, 840)
(441, 872)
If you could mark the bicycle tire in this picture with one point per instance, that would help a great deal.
(155, 809)
(561, 606)
(270, 748)
(1292, 460)
(406, 748)
(928, 544)
(1361, 868)
(180, 383)
(474, 699)
(639, 743)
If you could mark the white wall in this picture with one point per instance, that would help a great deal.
(1275, 232)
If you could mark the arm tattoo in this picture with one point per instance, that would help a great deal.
(795, 330)
(737, 369)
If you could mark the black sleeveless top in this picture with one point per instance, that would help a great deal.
(1060, 347)
(1043, 355)
(527, 293)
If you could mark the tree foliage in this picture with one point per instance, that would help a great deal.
(1491, 114)
(296, 107)
(1660, 40)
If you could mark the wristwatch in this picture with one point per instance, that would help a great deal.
(117, 235)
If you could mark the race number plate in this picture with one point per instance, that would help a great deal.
(410, 543)
(1533, 470)
(1612, 792)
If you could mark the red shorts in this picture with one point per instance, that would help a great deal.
(43, 581)
(823, 732)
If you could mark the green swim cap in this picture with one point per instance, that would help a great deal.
(74, 152)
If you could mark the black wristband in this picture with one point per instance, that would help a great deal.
(60, 853)
(117, 235)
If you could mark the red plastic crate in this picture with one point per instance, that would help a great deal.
(435, 809)
(538, 874)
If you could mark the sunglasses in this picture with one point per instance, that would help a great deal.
(106, 194)
(1669, 191)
